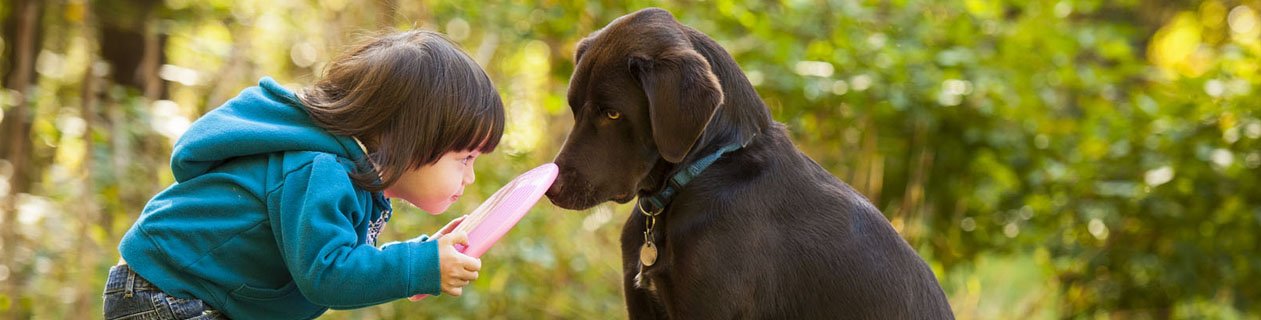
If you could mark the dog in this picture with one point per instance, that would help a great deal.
(733, 221)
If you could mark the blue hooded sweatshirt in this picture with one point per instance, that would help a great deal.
(263, 221)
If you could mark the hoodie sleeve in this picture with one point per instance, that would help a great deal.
(317, 237)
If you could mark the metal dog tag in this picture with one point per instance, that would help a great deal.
(648, 254)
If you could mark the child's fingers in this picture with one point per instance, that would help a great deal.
(453, 224)
(457, 282)
(458, 275)
(471, 276)
(458, 237)
(453, 238)
(472, 264)
(455, 291)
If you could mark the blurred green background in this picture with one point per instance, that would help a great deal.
(1049, 159)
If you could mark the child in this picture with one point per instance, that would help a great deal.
(279, 197)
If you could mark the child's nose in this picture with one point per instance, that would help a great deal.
(469, 176)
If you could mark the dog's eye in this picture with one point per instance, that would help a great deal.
(612, 114)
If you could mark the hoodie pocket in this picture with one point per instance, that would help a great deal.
(263, 294)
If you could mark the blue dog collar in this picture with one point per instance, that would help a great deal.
(652, 205)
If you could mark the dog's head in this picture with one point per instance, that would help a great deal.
(640, 94)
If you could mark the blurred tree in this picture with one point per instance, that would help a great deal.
(132, 44)
(22, 24)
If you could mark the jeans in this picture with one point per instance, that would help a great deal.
(128, 296)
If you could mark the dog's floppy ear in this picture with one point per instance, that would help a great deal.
(581, 49)
(683, 94)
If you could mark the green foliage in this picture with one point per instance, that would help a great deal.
(1075, 158)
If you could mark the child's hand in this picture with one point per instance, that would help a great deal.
(450, 226)
(457, 269)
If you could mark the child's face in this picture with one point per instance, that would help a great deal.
(434, 187)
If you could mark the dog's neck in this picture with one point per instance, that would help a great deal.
(731, 126)
(679, 178)
(743, 113)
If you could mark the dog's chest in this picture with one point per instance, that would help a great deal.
(655, 279)
(654, 283)
(644, 280)
(650, 269)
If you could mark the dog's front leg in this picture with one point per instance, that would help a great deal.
(639, 302)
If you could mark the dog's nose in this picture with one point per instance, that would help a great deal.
(555, 189)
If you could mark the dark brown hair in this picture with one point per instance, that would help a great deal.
(411, 97)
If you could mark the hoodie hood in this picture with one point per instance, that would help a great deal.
(264, 119)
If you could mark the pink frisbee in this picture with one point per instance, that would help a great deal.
(491, 220)
(495, 216)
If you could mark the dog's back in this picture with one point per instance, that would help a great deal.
(817, 248)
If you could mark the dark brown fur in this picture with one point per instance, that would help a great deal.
(764, 232)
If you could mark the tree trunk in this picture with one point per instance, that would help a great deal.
(17, 128)
(132, 47)
(228, 81)
(152, 59)
(88, 252)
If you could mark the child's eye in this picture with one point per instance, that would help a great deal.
(467, 159)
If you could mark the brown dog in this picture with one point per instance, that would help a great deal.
(762, 232)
